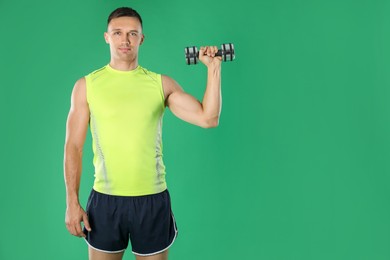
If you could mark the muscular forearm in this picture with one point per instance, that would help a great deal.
(72, 173)
(212, 100)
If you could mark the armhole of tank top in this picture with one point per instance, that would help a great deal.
(161, 90)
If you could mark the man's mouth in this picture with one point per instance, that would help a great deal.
(124, 49)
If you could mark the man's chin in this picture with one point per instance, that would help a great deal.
(126, 56)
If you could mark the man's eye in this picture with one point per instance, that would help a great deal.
(133, 34)
(117, 33)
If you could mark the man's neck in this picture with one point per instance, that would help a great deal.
(124, 65)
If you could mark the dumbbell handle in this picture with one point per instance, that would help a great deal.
(219, 53)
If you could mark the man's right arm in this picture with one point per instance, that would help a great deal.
(76, 130)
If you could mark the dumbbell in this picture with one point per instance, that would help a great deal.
(226, 52)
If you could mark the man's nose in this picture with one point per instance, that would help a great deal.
(126, 39)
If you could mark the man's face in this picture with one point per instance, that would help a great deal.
(124, 35)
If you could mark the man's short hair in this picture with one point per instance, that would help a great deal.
(124, 11)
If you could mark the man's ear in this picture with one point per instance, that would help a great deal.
(142, 39)
(106, 37)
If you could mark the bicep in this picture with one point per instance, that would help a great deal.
(78, 117)
(182, 104)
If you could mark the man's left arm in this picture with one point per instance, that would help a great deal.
(186, 107)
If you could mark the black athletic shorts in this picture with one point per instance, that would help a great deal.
(147, 221)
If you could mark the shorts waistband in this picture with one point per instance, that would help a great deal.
(124, 196)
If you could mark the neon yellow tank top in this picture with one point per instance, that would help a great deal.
(126, 112)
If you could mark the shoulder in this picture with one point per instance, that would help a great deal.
(79, 89)
(170, 85)
(81, 82)
(150, 74)
(169, 82)
(97, 71)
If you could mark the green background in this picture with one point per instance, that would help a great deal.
(298, 168)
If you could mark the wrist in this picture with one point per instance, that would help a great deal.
(72, 201)
(214, 67)
(214, 71)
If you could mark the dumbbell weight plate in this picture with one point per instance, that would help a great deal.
(191, 55)
(228, 52)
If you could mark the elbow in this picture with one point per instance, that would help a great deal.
(211, 123)
(72, 148)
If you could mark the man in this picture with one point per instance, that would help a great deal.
(123, 103)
